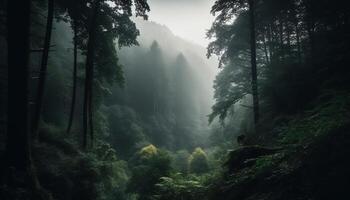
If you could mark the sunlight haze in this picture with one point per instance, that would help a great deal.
(188, 19)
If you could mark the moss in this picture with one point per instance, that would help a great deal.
(268, 162)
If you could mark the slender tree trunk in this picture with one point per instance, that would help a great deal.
(71, 115)
(253, 62)
(310, 30)
(265, 49)
(297, 31)
(288, 35)
(89, 71)
(280, 32)
(270, 40)
(85, 109)
(91, 122)
(310, 23)
(43, 69)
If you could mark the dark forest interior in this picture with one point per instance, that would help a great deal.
(174, 100)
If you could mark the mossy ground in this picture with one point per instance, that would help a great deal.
(311, 163)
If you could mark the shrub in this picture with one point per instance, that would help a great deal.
(198, 162)
(149, 165)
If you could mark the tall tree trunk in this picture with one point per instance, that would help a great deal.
(270, 41)
(297, 31)
(266, 49)
(280, 32)
(310, 30)
(310, 26)
(288, 35)
(253, 61)
(91, 122)
(18, 143)
(43, 69)
(18, 155)
(85, 108)
(72, 108)
(89, 72)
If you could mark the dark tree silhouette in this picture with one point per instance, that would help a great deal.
(75, 71)
(18, 143)
(253, 61)
(89, 73)
(43, 69)
(18, 154)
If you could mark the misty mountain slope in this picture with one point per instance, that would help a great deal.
(205, 69)
(168, 88)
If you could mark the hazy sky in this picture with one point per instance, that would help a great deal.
(188, 19)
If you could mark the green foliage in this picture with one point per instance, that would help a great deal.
(125, 129)
(113, 173)
(295, 57)
(69, 173)
(148, 166)
(198, 162)
(182, 187)
(267, 162)
(326, 116)
(148, 151)
(233, 82)
(180, 161)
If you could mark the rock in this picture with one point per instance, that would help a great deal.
(245, 156)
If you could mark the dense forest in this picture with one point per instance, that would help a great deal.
(100, 103)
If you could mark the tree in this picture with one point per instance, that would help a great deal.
(75, 72)
(89, 73)
(149, 165)
(18, 143)
(43, 69)
(113, 22)
(18, 155)
(184, 107)
(75, 12)
(229, 9)
(253, 61)
(233, 81)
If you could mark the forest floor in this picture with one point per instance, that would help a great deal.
(309, 160)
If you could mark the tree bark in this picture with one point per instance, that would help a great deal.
(281, 39)
(18, 143)
(270, 41)
(71, 115)
(43, 70)
(91, 122)
(89, 73)
(18, 155)
(297, 31)
(310, 26)
(266, 49)
(253, 61)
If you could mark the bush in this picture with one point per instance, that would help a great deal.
(198, 162)
(149, 165)
(180, 187)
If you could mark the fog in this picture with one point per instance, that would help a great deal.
(166, 98)
(99, 104)
(188, 19)
(168, 86)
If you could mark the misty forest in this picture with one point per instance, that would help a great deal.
(174, 99)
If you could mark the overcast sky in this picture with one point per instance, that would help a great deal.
(188, 19)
